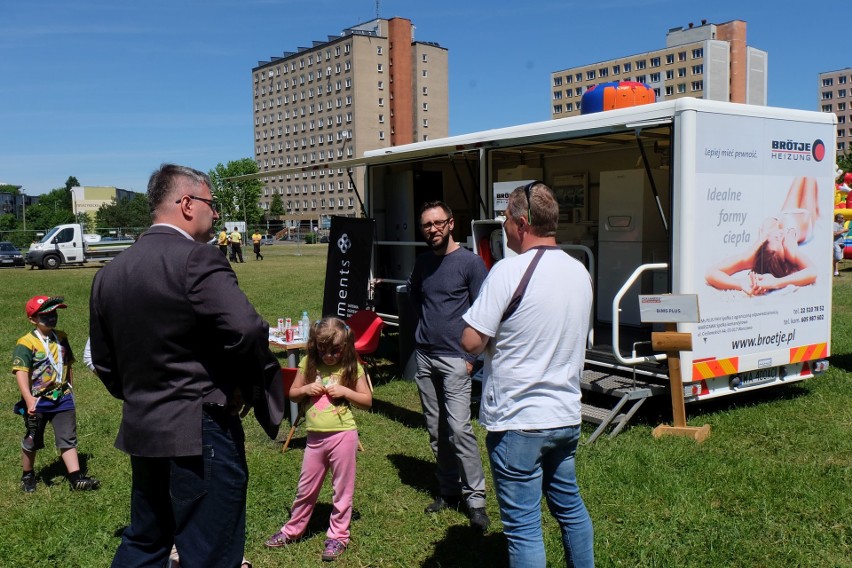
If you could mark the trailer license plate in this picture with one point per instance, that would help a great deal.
(758, 377)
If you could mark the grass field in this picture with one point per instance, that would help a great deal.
(771, 487)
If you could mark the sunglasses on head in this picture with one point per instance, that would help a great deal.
(528, 193)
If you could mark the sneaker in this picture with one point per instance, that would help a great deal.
(84, 483)
(278, 540)
(28, 483)
(479, 519)
(836, 273)
(441, 503)
(333, 549)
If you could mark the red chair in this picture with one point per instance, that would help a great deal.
(366, 326)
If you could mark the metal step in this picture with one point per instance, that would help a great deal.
(596, 414)
(627, 393)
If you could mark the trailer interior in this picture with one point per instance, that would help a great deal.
(614, 190)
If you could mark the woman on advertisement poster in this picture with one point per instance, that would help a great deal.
(775, 260)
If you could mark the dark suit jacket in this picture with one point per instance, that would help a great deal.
(171, 330)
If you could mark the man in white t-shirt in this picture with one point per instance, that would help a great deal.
(531, 393)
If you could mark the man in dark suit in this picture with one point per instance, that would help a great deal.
(175, 338)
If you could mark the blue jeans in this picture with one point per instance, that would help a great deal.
(197, 503)
(524, 464)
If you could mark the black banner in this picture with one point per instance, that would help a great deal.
(347, 271)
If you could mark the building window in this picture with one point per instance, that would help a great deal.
(425, 123)
(590, 75)
(826, 108)
(425, 73)
(557, 95)
(641, 64)
(569, 107)
(841, 106)
(578, 77)
(381, 134)
(697, 69)
(616, 69)
(380, 68)
(425, 58)
(603, 72)
(669, 58)
(681, 88)
(557, 81)
(681, 72)
(425, 107)
(628, 67)
(655, 62)
(698, 53)
(557, 109)
(697, 86)
(655, 77)
(381, 119)
(681, 56)
(425, 91)
(378, 50)
(569, 78)
(826, 95)
(669, 91)
(841, 80)
(381, 85)
(640, 78)
(381, 101)
(827, 82)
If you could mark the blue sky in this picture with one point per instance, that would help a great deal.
(107, 90)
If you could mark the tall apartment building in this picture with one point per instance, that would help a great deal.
(710, 61)
(371, 87)
(835, 95)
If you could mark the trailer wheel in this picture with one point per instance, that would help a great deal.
(51, 261)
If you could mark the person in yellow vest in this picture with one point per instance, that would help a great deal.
(236, 246)
(222, 241)
(255, 239)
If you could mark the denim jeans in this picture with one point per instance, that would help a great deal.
(197, 503)
(525, 464)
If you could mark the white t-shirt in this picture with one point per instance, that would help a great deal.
(534, 360)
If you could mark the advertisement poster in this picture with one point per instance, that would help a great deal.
(762, 217)
(347, 272)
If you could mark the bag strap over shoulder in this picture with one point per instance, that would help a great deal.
(515, 301)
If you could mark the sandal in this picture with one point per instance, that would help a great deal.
(277, 540)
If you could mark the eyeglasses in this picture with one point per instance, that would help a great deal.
(528, 193)
(209, 202)
(331, 352)
(437, 224)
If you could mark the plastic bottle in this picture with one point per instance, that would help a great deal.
(305, 325)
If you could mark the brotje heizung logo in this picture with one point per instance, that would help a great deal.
(798, 151)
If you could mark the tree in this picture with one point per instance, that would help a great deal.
(276, 208)
(71, 183)
(844, 162)
(237, 200)
(4, 188)
(53, 208)
(123, 214)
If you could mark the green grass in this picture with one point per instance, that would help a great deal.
(770, 487)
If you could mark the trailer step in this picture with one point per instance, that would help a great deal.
(626, 393)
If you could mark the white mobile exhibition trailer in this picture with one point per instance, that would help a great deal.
(727, 202)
